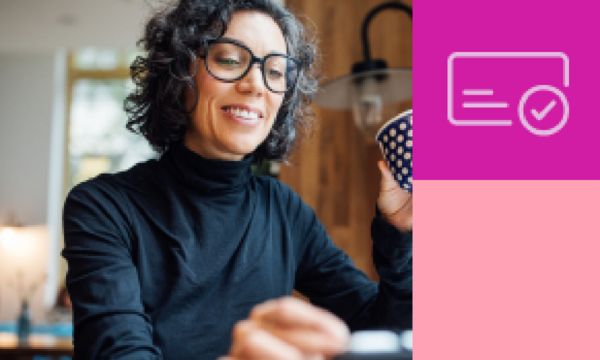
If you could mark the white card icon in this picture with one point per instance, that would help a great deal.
(494, 89)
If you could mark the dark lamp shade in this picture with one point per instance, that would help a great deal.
(395, 86)
(371, 95)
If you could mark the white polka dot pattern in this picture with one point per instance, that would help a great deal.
(395, 140)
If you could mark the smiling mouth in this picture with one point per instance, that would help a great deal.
(242, 113)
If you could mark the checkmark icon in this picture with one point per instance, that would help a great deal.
(542, 114)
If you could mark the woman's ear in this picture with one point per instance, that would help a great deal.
(189, 96)
(194, 65)
(190, 92)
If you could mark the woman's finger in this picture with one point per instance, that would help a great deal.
(394, 203)
(387, 178)
(250, 342)
(293, 313)
(309, 341)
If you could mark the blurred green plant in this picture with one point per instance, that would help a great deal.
(267, 168)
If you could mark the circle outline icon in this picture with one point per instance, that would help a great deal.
(530, 127)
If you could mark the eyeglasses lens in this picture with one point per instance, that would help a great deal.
(229, 62)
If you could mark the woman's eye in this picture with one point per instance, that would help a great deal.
(228, 62)
(274, 74)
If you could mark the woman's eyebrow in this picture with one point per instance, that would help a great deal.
(240, 42)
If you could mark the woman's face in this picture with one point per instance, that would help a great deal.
(215, 132)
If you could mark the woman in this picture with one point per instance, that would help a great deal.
(165, 258)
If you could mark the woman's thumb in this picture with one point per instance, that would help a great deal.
(385, 171)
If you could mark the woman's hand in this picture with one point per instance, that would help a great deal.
(394, 203)
(288, 329)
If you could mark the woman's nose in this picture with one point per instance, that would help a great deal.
(253, 82)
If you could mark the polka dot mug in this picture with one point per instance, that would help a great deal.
(396, 143)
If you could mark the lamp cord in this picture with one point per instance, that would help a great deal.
(371, 15)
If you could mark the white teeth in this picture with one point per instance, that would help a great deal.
(243, 113)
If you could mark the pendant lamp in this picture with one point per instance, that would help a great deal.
(372, 91)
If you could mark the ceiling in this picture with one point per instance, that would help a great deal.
(46, 25)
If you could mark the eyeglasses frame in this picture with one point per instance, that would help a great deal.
(253, 60)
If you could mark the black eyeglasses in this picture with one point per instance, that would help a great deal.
(228, 60)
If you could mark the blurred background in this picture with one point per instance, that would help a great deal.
(64, 72)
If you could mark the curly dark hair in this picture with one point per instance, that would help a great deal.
(172, 39)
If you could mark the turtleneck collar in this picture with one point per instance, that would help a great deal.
(206, 175)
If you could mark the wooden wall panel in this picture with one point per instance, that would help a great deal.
(336, 172)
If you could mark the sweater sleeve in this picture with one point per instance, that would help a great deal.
(108, 315)
(329, 278)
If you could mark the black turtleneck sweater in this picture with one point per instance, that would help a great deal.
(166, 257)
